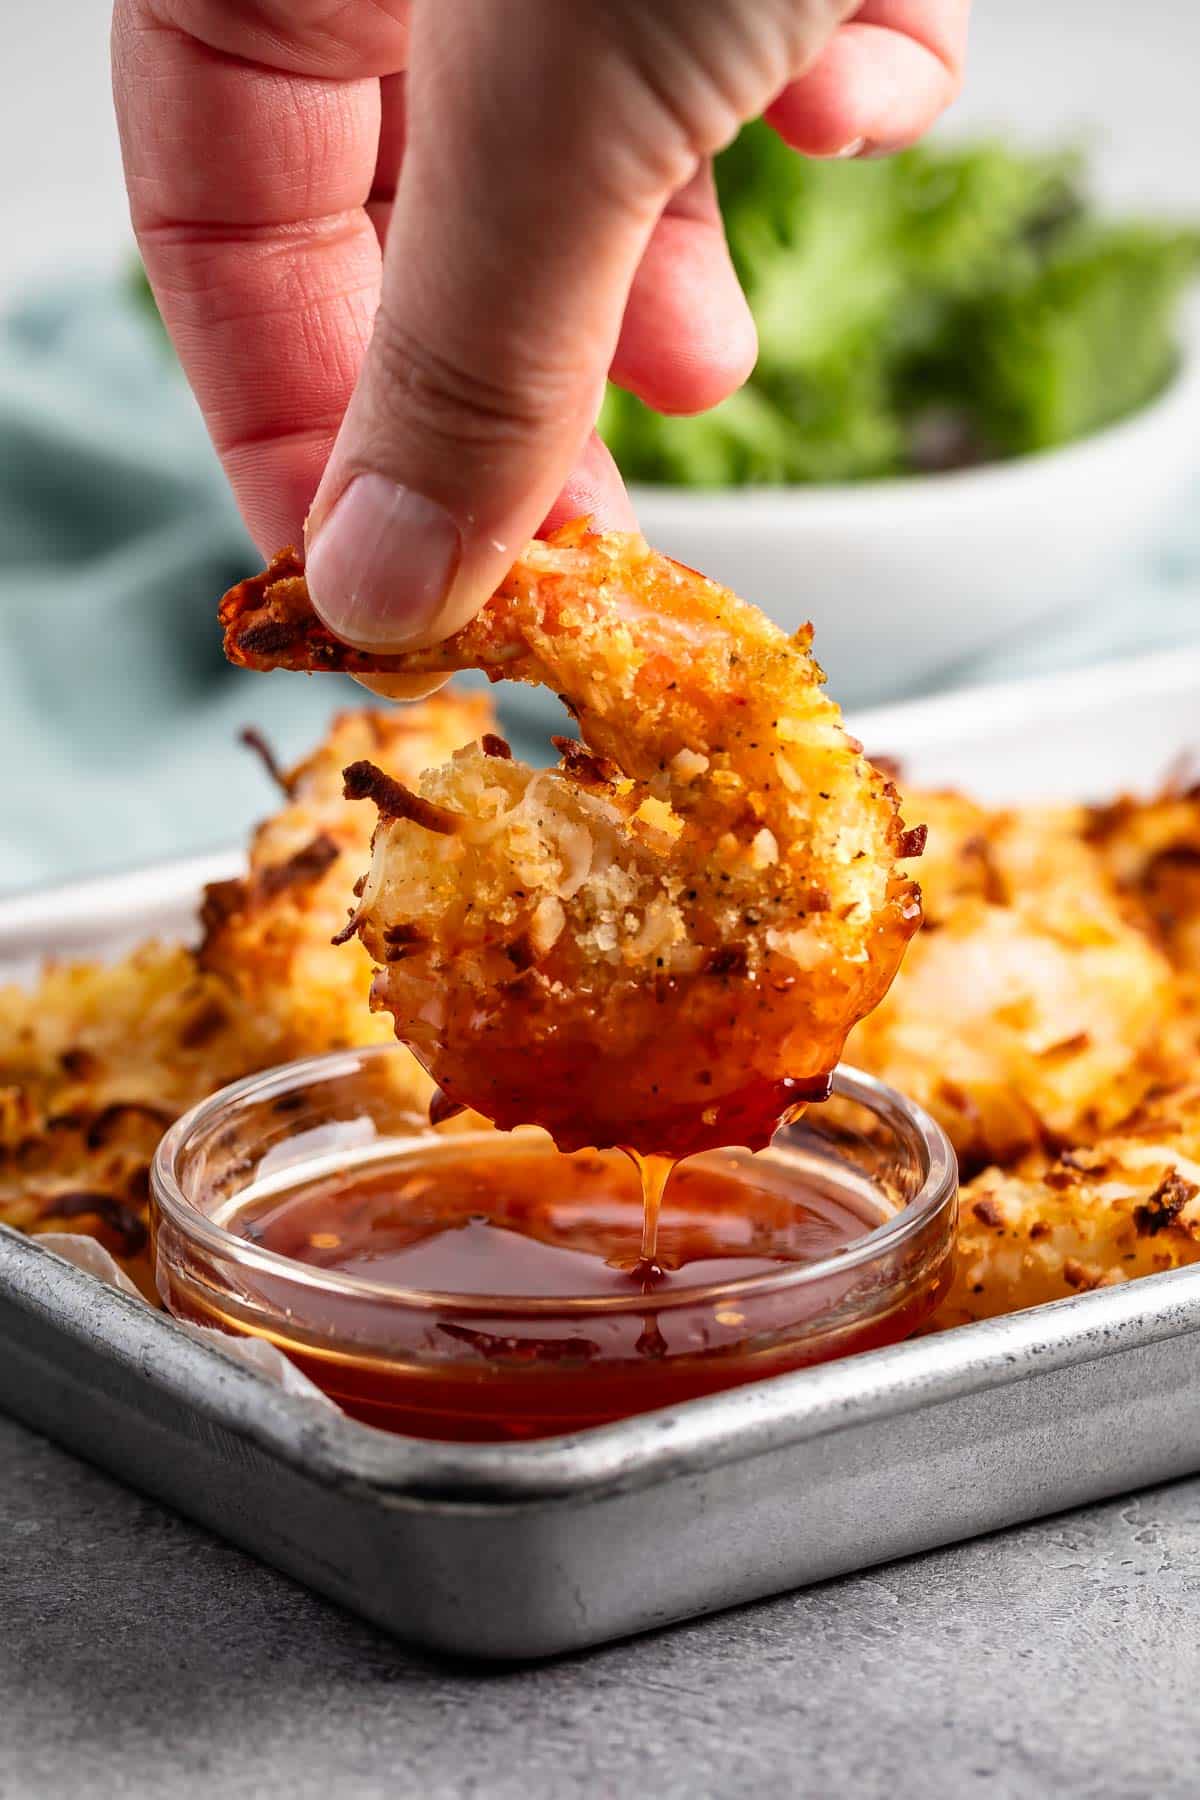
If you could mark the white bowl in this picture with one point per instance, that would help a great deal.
(905, 579)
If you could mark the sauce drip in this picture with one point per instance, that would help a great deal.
(533, 1223)
(499, 1289)
(653, 1173)
(654, 1170)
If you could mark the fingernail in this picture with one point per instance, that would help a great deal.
(381, 563)
(855, 147)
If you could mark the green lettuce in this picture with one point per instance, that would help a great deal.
(943, 306)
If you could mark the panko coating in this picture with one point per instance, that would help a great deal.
(1127, 1204)
(98, 1058)
(664, 941)
(1037, 1004)
(1152, 850)
(95, 1063)
(270, 933)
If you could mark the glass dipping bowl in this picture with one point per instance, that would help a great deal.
(474, 1366)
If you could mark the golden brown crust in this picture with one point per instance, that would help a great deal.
(665, 939)
(1039, 1003)
(1094, 1214)
(393, 800)
(270, 934)
(97, 1059)
(1151, 848)
(268, 622)
(94, 1063)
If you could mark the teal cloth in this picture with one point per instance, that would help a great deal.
(119, 718)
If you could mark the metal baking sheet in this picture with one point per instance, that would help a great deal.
(523, 1551)
(515, 1551)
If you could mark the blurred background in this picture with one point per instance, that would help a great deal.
(971, 450)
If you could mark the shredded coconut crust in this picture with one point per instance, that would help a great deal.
(97, 1059)
(1040, 1002)
(1090, 1215)
(663, 940)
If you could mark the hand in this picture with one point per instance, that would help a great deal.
(399, 248)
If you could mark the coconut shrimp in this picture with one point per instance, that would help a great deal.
(1037, 1006)
(267, 934)
(1112, 1209)
(663, 942)
(1152, 849)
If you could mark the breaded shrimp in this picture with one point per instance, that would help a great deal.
(1098, 1213)
(95, 1062)
(663, 942)
(96, 1059)
(1152, 849)
(268, 933)
(1037, 1005)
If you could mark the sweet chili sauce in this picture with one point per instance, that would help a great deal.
(779, 1102)
(517, 1292)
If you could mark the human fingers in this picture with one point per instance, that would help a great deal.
(881, 81)
(250, 135)
(515, 238)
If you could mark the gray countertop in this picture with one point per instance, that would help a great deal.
(138, 1655)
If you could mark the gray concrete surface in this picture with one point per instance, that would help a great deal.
(139, 1656)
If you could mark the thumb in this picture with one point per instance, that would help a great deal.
(540, 154)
